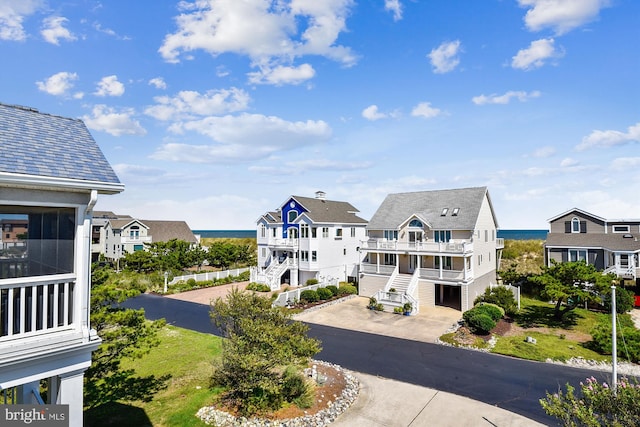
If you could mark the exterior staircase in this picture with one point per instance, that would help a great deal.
(400, 283)
(404, 287)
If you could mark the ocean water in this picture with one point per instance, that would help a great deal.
(505, 234)
(523, 234)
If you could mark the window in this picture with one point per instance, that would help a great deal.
(137, 248)
(353, 232)
(314, 256)
(344, 251)
(480, 259)
(446, 262)
(292, 215)
(314, 232)
(134, 232)
(621, 229)
(389, 259)
(486, 235)
(263, 231)
(264, 252)
(444, 211)
(304, 255)
(49, 235)
(577, 255)
(391, 234)
(416, 223)
(338, 233)
(455, 212)
(274, 232)
(442, 235)
(325, 232)
(304, 231)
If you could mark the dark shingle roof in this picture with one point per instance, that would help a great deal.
(329, 211)
(428, 205)
(611, 241)
(44, 145)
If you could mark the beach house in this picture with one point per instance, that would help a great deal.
(430, 248)
(308, 238)
(51, 175)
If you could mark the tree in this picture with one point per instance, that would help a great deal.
(125, 333)
(261, 342)
(572, 283)
(598, 406)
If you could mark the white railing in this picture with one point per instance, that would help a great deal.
(452, 246)
(36, 306)
(413, 285)
(289, 297)
(377, 269)
(397, 299)
(452, 275)
(283, 243)
(271, 276)
(211, 275)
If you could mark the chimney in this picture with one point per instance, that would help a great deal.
(321, 195)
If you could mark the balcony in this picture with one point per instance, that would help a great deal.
(453, 247)
(289, 244)
(423, 273)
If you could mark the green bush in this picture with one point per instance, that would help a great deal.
(333, 289)
(500, 296)
(494, 311)
(311, 282)
(347, 290)
(309, 295)
(324, 293)
(626, 333)
(372, 303)
(480, 323)
(624, 301)
(379, 307)
(296, 389)
(258, 287)
(191, 282)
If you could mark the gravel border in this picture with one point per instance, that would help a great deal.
(211, 416)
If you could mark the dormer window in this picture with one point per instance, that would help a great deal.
(416, 223)
(455, 211)
(292, 215)
(444, 211)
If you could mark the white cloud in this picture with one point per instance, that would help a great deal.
(561, 15)
(372, 113)
(53, 30)
(568, 162)
(394, 6)
(58, 84)
(424, 109)
(445, 58)
(109, 86)
(158, 83)
(625, 163)
(544, 152)
(504, 98)
(243, 137)
(188, 104)
(107, 119)
(269, 32)
(12, 14)
(610, 138)
(280, 75)
(108, 31)
(535, 55)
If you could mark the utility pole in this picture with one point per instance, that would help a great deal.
(614, 346)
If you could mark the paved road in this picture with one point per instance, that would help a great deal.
(512, 384)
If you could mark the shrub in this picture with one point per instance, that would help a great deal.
(309, 295)
(312, 282)
(258, 287)
(494, 311)
(191, 282)
(626, 332)
(296, 388)
(500, 296)
(333, 289)
(407, 307)
(379, 307)
(347, 290)
(480, 323)
(624, 301)
(324, 293)
(372, 303)
(397, 310)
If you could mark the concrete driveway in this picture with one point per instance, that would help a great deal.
(353, 314)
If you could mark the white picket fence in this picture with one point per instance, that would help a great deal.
(211, 275)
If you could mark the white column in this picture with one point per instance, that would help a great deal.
(70, 393)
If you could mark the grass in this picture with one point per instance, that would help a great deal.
(554, 340)
(184, 355)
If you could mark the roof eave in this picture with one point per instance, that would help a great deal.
(59, 184)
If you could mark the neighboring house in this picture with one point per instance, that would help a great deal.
(611, 245)
(308, 238)
(13, 233)
(51, 173)
(113, 236)
(432, 247)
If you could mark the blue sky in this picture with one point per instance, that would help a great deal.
(215, 111)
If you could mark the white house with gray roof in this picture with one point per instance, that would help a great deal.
(51, 174)
(308, 238)
(431, 248)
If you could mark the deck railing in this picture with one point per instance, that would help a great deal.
(452, 247)
(36, 306)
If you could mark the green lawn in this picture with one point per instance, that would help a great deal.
(556, 342)
(185, 356)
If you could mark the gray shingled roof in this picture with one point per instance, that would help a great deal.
(428, 205)
(611, 241)
(329, 211)
(160, 231)
(44, 145)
